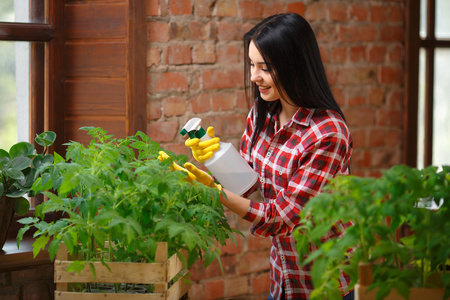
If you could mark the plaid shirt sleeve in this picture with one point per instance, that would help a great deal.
(294, 164)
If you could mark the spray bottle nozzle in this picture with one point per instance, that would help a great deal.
(193, 129)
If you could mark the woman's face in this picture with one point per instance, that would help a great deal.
(261, 76)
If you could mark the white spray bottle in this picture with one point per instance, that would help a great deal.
(226, 165)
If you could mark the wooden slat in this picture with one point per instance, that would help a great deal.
(174, 265)
(114, 126)
(26, 32)
(96, 59)
(180, 288)
(92, 20)
(97, 296)
(152, 273)
(89, 97)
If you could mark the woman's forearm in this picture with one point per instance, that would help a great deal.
(235, 203)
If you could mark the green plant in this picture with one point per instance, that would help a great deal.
(380, 208)
(117, 191)
(18, 169)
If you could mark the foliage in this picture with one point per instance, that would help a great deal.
(380, 208)
(118, 200)
(18, 169)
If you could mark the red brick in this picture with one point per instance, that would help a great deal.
(273, 8)
(220, 79)
(396, 13)
(227, 54)
(214, 289)
(366, 33)
(153, 57)
(360, 116)
(231, 247)
(174, 106)
(203, 53)
(361, 157)
(162, 131)
(378, 13)
(338, 95)
(226, 8)
(390, 117)
(386, 157)
(179, 54)
(359, 137)
(357, 53)
(258, 243)
(241, 101)
(157, 32)
(296, 7)
(337, 11)
(229, 31)
(190, 31)
(358, 12)
(391, 75)
(177, 7)
(257, 261)
(196, 291)
(396, 53)
(228, 125)
(170, 81)
(377, 54)
(203, 8)
(236, 286)
(339, 54)
(154, 110)
(395, 98)
(200, 103)
(178, 149)
(315, 11)
(250, 9)
(356, 75)
(152, 7)
(392, 33)
(200, 31)
(376, 96)
(356, 96)
(261, 283)
(223, 101)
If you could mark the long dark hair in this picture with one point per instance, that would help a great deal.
(288, 45)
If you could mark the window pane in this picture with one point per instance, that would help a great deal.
(14, 84)
(22, 11)
(421, 111)
(441, 109)
(423, 19)
(442, 19)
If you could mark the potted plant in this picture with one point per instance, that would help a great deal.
(17, 174)
(401, 225)
(119, 200)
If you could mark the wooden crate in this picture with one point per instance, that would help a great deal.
(159, 273)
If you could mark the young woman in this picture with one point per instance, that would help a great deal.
(296, 139)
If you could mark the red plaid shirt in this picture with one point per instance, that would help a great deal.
(293, 163)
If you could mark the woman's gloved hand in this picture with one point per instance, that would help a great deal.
(192, 171)
(202, 151)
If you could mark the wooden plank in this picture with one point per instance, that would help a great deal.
(114, 125)
(161, 256)
(180, 288)
(93, 59)
(92, 20)
(100, 296)
(89, 97)
(151, 273)
(174, 265)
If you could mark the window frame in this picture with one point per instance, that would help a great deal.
(414, 43)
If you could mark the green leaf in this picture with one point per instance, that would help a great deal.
(21, 149)
(20, 234)
(76, 266)
(39, 244)
(46, 139)
(53, 248)
(20, 162)
(14, 174)
(21, 206)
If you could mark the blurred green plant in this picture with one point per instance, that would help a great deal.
(379, 208)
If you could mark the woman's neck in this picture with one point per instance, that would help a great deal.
(287, 112)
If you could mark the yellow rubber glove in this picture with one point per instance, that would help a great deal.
(202, 151)
(192, 171)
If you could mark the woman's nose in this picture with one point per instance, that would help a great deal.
(255, 76)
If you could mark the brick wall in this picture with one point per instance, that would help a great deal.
(195, 68)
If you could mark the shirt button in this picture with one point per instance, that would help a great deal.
(268, 153)
(262, 180)
(282, 257)
(281, 173)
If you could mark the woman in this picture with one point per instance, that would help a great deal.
(296, 139)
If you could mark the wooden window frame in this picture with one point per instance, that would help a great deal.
(413, 45)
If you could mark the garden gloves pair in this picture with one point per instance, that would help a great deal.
(193, 173)
(204, 150)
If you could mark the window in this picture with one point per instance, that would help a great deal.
(427, 106)
(27, 39)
